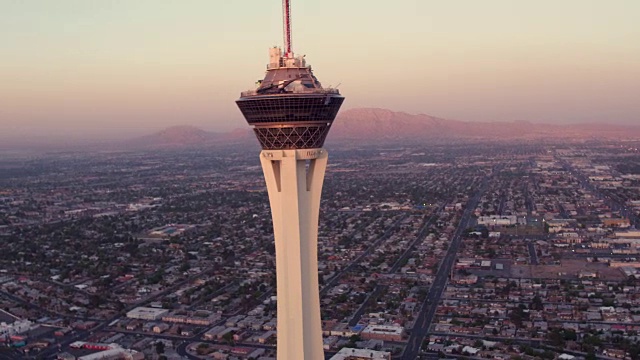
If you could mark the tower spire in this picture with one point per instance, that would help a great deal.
(286, 17)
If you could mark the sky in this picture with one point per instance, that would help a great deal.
(124, 68)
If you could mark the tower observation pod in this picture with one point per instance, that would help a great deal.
(291, 114)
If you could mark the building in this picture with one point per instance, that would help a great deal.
(147, 313)
(114, 353)
(619, 223)
(262, 339)
(17, 327)
(383, 332)
(361, 354)
(498, 220)
(628, 234)
(470, 350)
(160, 328)
(212, 333)
(466, 280)
(291, 114)
(201, 318)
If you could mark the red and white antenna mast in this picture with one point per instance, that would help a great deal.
(286, 15)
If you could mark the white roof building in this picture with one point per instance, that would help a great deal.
(116, 353)
(470, 350)
(350, 353)
(17, 327)
(147, 313)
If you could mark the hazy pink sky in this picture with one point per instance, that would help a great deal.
(111, 67)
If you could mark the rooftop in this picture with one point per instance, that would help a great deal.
(288, 75)
(350, 353)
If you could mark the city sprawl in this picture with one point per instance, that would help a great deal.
(497, 250)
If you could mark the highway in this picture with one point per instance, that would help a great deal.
(428, 311)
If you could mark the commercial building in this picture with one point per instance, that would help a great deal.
(498, 220)
(147, 313)
(361, 354)
(383, 332)
(200, 318)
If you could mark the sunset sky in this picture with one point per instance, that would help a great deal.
(112, 68)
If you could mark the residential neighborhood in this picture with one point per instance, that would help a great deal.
(471, 250)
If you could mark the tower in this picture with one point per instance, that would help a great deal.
(291, 114)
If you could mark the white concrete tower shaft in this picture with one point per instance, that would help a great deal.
(294, 181)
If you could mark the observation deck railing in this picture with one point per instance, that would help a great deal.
(294, 91)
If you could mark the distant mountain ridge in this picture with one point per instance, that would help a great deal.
(373, 124)
(186, 136)
(181, 135)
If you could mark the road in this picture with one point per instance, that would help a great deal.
(182, 351)
(372, 297)
(10, 354)
(331, 283)
(531, 341)
(612, 203)
(503, 200)
(422, 234)
(428, 311)
(396, 266)
(45, 310)
(603, 254)
(533, 256)
(528, 202)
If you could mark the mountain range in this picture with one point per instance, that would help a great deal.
(359, 127)
(382, 125)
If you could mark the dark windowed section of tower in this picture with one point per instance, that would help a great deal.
(291, 121)
(277, 109)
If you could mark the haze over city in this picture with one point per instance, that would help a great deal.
(78, 69)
